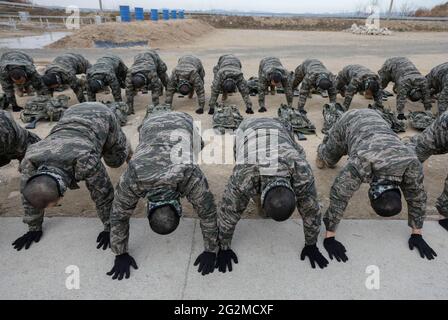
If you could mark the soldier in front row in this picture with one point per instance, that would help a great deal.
(278, 186)
(14, 140)
(378, 157)
(162, 179)
(63, 71)
(72, 152)
(187, 77)
(355, 78)
(272, 75)
(108, 71)
(228, 79)
(438, 85)
(17, 70)
(434, 141)
(408, 83)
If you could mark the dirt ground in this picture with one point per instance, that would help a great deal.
(335, 49)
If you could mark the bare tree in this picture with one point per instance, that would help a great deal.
(407, 9)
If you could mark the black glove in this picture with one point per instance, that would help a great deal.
(200, 110)
(262, 109)
(122, 267)
(249, 111)
(336, 249)
(312, 252)
(211, 111)
(224, 260)
(401, 116)
(444, 223)
(27, 239)
(425, 250)
(103, 240)
(206, 262)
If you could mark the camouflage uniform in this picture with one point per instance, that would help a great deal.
(251, 179)
(229, 67)
(434, 140)
(352, 79)
(189, 68)
(308, 74)
(406, 77)
(10, 60)
(376, 155)
(438, 84)
(14, 140)
(111, 71)
(267, 67)
(153, 69)
(152, 174)
(73, 150)
(67, 66)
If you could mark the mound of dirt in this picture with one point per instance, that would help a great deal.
(438, 11)
(156, 33)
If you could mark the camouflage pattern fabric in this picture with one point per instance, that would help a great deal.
(152, 109)
(307, 75)
(18, 59)
(14, 140)
(154, 175)
(190, 69)
(67, 66)
(3, 101)
(420, 120)
(438, 85)
(268, 66)
(253, 86)
(87, 133)
(249, 179)
(406, 77)
(45, 108)
(396, 125)
(298, 120)
(226, 118)
(331, 112)
(376, 154)
(120, 110)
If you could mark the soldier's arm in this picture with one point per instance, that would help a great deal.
(156, 89)
(171, 89)
(442, 102)
(77, 88)
(402, 95)
(244, 90)
(216, 88)
(32, 217)
(122, 73)
(298, 78)
(332, 93)
(130, 91)
(345, 185)
(115, 86)
(117, 148)
(384, 77)
(287, 85)
(199, 195)
(425, 144)
(36, 82)
(350, 91)
(262, 86)
(427, 103)
(415, 195)
(198, 85)
(304, 92)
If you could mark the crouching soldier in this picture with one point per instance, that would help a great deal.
(378, 157)
(312, 74)
(278, 185)
(63, 70)
(17, 70)
(108, 71)
(71, 153)
(272, 75)
(187, 77)
(355, 78)
(162, 179)
(14, 140)
(434, 141)
(438, 85)
(228, 78)
(408, 83)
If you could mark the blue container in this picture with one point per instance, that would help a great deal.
(139, 15)
(173, 14)
(125, 14)
(154, 14)
(166, 14)
(181, 14)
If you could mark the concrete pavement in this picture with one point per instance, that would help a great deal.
(269, 264)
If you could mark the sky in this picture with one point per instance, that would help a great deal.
(284, 6)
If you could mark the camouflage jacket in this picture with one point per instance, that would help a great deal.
(12, 59)
(406, 77)
(14, 140)
(307, 74)
(154, 174)
(251, 177)
(267, 67)
(111, 71)
(73, 150)
(67, 66)
(229, 67)
(190, 69)
(375, 154)
(438, 84)
(352, 79)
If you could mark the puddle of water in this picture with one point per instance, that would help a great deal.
(32, 42)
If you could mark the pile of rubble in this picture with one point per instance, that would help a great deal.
(369, 29)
